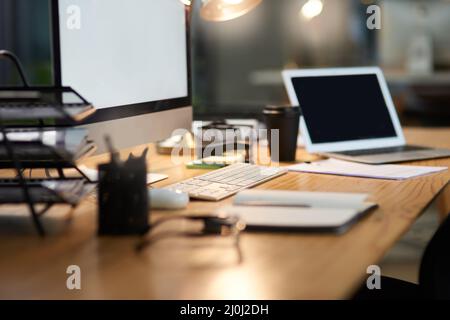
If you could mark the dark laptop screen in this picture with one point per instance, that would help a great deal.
(341, 108)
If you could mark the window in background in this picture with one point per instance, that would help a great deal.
(414, 50)
(237, 64)
(25, 30)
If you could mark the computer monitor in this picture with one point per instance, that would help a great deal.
(131, 60)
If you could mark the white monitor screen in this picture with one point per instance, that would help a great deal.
(116, 52)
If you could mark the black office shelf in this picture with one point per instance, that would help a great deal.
(38, 108)
(53, 160)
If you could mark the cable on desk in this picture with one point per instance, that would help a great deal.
(12, 57)
(230, 226)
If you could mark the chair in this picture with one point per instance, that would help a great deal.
(434, 274)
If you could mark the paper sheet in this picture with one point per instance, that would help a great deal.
(347, 168)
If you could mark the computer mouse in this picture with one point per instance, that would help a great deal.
(167, 199)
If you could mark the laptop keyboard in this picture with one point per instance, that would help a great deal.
(388, 150)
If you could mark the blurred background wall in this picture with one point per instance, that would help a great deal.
(239, 61)
(237, 64)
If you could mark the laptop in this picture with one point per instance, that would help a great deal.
(348, 113)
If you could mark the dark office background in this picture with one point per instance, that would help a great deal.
(242, 58)
(237, 64)
(25, 30)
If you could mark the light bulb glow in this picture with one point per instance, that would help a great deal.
(223, 10)
(311, 9)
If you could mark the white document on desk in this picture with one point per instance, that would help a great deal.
(383, 171)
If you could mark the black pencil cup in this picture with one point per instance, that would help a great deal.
(123, 197)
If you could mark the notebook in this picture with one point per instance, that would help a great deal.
(299, 211)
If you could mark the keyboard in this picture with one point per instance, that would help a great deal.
(222, 183)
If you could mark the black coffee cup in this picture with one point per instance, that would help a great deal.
(286, 120)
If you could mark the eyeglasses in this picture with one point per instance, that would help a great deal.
(210, 226)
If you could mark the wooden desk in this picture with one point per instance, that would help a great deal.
(275, 265)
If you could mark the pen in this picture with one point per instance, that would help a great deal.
(272, 204)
